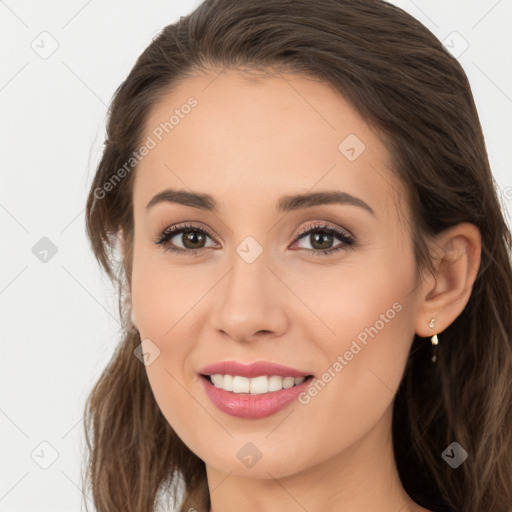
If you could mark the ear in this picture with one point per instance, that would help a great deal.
(444, 295)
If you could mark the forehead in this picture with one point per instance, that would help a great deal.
(253, 137)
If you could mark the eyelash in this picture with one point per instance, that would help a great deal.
(348, 241)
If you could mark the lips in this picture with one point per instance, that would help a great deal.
(254, 369)
(252, 407)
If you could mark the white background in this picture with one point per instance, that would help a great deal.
(59, 321)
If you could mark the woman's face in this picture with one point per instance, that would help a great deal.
(260, 285)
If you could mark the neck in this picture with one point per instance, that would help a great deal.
(362, 477)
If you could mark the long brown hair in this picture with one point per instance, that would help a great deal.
(402, 80)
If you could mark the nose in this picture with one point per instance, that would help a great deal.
(251, 302)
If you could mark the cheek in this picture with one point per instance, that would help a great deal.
(162, 293)
(360, 304)
(163, 303)
(367, 327)
(364, 361)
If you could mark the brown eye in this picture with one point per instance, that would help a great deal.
(321, 241)
(193, 239)
(321, 238)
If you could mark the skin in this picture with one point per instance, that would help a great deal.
(247, 143)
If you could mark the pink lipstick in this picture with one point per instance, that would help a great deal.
(255, 390)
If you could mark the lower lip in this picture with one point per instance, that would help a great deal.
(249, 406)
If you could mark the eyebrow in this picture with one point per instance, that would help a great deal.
(285, 204)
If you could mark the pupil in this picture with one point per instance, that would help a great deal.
(192, 237)
(323, 239)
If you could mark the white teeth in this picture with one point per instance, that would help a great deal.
(255, 385)
(217, 380)
(258, 385)
(288, 382)
(240, 384)
(275, 383)
(227, 382)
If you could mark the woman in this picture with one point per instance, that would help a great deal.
(315, 274)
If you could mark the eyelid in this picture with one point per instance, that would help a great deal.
(318, 225)
(176, 229)
(348, 241)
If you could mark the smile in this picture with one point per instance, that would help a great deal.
(254, 386)
(242, 403)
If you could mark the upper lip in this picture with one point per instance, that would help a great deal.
(254, 369)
